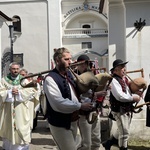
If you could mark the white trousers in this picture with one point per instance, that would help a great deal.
(7, 145)
(65, 139)
(123, 122)
(90, 134)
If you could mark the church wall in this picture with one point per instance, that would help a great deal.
(33, 42)
(138, 42)
(74, 17)
(137, 53)
(76, 46)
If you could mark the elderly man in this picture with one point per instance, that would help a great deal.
(16, 110)
(121, 100)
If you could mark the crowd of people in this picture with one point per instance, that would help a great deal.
(67, 108)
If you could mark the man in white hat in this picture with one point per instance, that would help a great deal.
(121, 100)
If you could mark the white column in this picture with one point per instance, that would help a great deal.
(54, 26)
(117, 26)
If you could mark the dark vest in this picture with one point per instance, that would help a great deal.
(115, 104)
(147, 99)
(56, 118)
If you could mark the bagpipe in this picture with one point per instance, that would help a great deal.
(136, 85)
(95, 82)
(101, 81)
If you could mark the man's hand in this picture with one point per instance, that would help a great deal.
(100, 93)
(136, 98)
(140, 93)
(86, 106)
(15, 91)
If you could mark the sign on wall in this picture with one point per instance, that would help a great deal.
(18, 58)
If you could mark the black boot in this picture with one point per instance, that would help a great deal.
(107, 144)
(123, 148)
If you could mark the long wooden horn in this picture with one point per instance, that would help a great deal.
(139, 70)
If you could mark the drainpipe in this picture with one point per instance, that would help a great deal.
(11, 30)
(48, 26)
(1, 23)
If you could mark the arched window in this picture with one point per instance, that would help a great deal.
(86, 31)
(17, 24)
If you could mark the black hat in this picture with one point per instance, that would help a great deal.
(83, 58)
(118, 62)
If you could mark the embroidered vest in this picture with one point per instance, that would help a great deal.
(115, 104)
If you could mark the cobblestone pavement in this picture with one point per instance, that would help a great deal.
(42, 139)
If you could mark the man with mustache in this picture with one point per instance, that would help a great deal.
(63, 104)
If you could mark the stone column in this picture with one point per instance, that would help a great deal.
(54, 26)
(117, 26)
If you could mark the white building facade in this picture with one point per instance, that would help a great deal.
(120, 31)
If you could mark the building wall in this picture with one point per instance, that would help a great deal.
(138, 41)
(43, 28)
(74, 16)
(135, 47)
(138, 44)
(76, 47)
(33, 42)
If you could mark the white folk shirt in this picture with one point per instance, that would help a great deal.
(57, 102)
(117, 92)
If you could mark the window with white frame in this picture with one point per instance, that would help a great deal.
(86, 45)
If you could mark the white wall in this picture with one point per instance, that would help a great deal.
(33, 42)
(137, 53)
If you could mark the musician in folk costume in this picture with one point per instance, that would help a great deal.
(90, 133)
(63, 103)
(121, 100)
(16, 110)
(147, 100)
